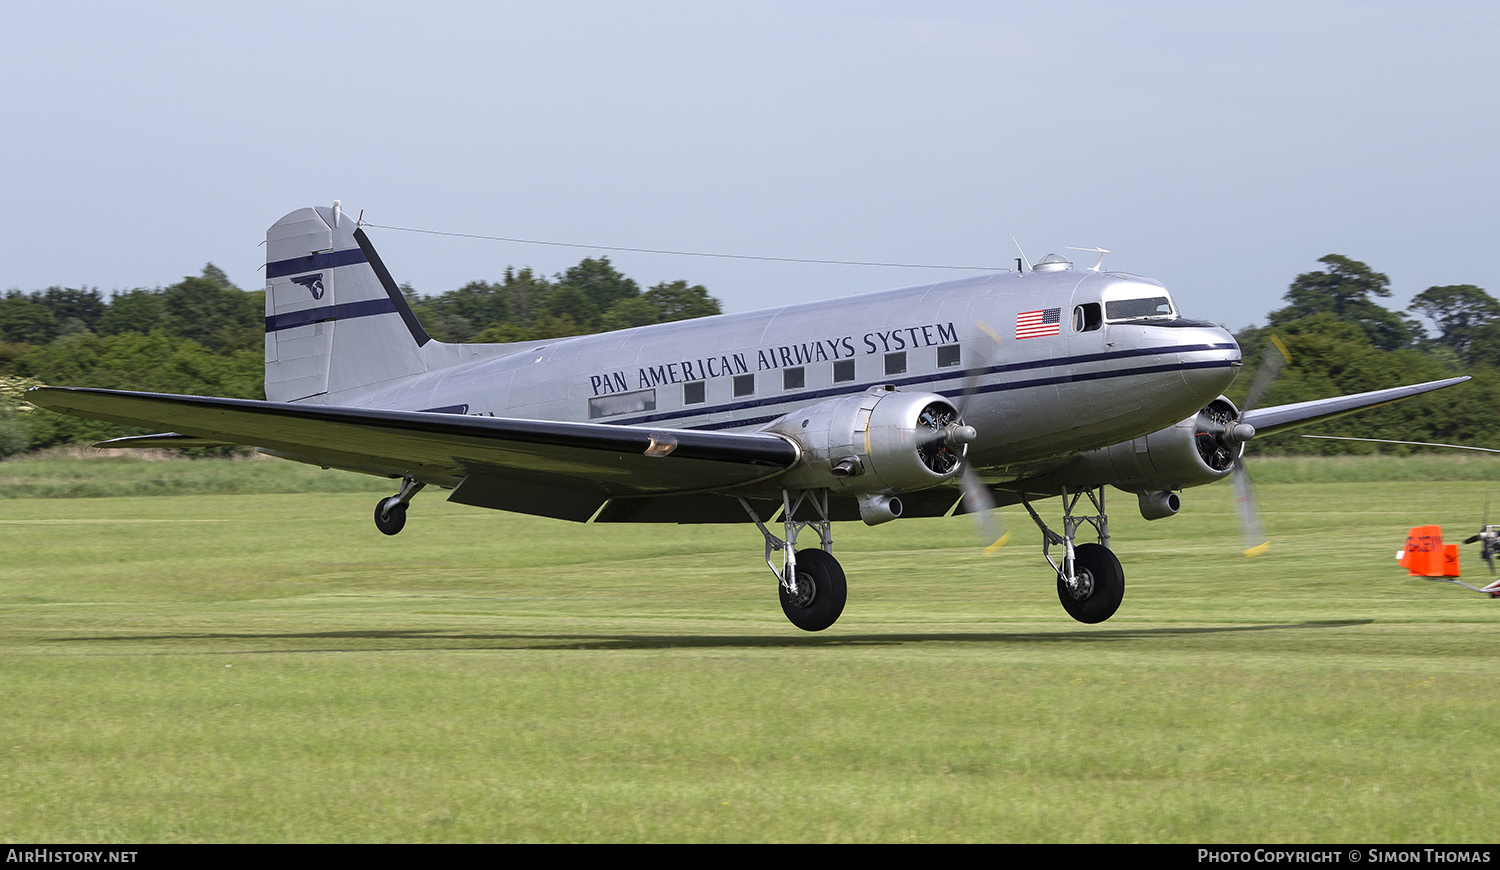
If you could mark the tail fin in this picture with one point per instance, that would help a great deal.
(335, 320)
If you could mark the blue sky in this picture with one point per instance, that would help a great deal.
(1218, 148)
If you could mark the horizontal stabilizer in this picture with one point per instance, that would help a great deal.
(1269, 421)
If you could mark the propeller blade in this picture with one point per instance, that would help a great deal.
(976, 371)
(977, 500)
(1272, 360)
(1256, 541)
(979, 503)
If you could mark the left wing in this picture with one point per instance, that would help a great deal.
(566, 470)
(1269, 421)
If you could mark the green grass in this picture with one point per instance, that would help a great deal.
(267, 667)
(83, 473)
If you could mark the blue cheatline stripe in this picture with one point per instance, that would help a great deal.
(344, 311)
(313, 262)
(801, 399)
(953, 374)
(951, 394)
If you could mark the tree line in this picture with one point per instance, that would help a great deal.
(203, 335)
(1342, 340)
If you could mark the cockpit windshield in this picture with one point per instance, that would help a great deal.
(1143, 308)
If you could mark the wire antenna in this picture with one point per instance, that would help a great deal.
(709, 254)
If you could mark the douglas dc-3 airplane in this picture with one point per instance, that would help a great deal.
(917, 402)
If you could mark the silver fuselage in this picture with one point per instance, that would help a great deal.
(1031, 399)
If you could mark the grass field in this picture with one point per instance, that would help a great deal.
(265, 666)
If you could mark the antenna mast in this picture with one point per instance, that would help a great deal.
(1021, 252)
(1100, 251)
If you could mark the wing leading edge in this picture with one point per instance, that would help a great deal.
(566, 470)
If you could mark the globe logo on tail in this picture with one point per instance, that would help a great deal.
(313, 283)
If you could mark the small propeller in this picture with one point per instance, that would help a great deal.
(1488, 537)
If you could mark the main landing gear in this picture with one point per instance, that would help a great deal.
(1090, 581)
(390, 513)
(810, 581)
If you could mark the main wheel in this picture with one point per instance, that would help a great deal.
(1101, 585)
(390, 520)
(821, 591)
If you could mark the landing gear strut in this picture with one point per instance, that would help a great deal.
(390, 513)
(810, 581)
(1090, 581)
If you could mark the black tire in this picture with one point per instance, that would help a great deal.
(1106, 585)
(821, 604)
(390, 520)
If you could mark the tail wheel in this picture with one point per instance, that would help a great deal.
(390, 518)
(821, 591)
(1101, 585)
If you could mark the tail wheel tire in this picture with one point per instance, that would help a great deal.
(1101, 586)
(821, 591)
(392, 519)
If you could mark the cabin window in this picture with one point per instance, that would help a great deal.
(622, 403)
(744, 385)
(793, 379)
(843, 370)
(694, 393)
(949, 356)
(1086, 317)
(895, 363)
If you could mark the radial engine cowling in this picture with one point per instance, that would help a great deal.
(880, 442)
(1193, 452)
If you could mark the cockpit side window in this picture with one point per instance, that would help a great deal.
(1086, 317)
(1145, 308)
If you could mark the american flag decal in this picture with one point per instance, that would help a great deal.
(1034, 324)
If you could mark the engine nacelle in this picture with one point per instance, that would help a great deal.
(880, 442)
(1195, 451)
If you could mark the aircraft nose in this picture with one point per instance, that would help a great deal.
(1210, 357)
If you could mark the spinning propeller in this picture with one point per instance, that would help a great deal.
(948, 435)
(1488, 538)
(1221, 436)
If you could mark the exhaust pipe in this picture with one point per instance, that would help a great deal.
(1157, 505)
(877, 509)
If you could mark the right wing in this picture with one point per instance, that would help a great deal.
(565, 470)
